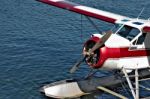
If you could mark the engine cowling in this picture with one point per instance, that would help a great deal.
(100, 55)
(94, 59)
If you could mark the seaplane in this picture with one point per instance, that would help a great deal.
(124, 48)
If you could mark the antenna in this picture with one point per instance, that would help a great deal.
(141, 13)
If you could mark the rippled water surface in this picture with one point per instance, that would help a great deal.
(39, 43)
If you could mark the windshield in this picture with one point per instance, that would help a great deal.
(126, 31)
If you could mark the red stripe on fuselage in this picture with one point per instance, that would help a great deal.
(71, 6)
(116, 53)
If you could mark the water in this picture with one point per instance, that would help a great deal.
(39, 43)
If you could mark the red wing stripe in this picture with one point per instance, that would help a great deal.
(88, 11)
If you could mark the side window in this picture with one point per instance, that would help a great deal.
(141, 39)
(133, 33)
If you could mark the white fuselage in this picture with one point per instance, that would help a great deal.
(128, 58)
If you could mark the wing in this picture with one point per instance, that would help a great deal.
(88, 11)
(100, 14)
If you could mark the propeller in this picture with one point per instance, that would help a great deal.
(100, 43)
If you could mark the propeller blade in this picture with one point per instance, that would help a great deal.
(101, 42)
(106, 36)
(76, 66)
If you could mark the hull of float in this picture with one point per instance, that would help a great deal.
(76, 88)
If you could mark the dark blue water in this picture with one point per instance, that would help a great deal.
(39, 43)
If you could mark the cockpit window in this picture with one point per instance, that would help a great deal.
(128, 32)
(133, 33)
(124, 32)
